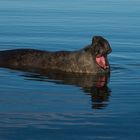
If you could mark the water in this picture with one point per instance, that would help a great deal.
(69, 107)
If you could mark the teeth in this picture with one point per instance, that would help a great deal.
(106, 67)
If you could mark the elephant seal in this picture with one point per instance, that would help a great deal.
(90, 60)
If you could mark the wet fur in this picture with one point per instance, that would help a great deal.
(81, 61)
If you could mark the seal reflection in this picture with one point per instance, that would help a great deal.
(93, 85)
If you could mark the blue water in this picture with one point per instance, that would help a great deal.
(38, 107)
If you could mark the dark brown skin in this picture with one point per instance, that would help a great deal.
(81, 61)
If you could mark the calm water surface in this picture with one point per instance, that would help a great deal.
(71, 107)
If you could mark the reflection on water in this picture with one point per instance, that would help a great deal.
(93, 85)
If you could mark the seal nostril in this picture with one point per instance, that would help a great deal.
(109, 50)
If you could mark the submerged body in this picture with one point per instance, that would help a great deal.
(86, 60)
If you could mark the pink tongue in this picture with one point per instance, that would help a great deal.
(101, 61)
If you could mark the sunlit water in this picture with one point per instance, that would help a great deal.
(69, 107)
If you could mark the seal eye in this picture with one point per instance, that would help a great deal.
(99, 49)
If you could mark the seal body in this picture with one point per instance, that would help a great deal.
(91, 59)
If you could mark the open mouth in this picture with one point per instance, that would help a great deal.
(101, 61)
